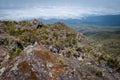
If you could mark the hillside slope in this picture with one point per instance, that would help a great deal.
(36, 63)
(30, 50)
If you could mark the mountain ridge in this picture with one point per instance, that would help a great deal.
(32, 50)
(96, 20)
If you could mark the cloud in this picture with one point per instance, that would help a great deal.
(53, 12)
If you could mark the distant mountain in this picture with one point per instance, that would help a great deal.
(101, 20)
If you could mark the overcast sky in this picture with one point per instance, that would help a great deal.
(61, 9)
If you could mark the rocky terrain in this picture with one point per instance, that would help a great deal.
(30, 50)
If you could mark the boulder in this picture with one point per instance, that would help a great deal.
(40, 64)
(36, 24)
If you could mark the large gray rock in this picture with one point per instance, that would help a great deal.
(36, 63)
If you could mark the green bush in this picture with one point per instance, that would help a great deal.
(12, 30)
(6, 41)
(24, 23)
(112, 62)
(55, 35)
(99, 73)
(68, 54)
(79, 49)
(43, 42)
(45, 37)
(16, 53)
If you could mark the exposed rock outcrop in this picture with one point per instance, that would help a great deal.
(36, 63)
(36, 24)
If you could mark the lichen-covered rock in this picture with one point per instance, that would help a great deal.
(36, 63)
(36, 24)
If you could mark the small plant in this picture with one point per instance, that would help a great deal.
(43, 42)
(6, 41)
(89, 49)
(24, 23)
(12, 30)
(99, 73)
(45, 37)
(60, 60)
(68, 54)
(55, 34)
(113, 62)
(79, 49)
(16, 53)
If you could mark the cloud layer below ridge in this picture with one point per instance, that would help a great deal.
(62, 9)
(52, 12)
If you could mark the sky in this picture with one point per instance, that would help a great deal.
(59, 9)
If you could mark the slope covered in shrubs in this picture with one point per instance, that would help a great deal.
(53, 50)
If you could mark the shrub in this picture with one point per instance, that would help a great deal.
(55, 34)
(113, 62)
(89, 49)
(99, 73)
(24, 23)
(60, 60)
(43, 42)
(45, 37)
(6, 41)
(79, 49)
(16, 53)
(11, 30)
(68, 54)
